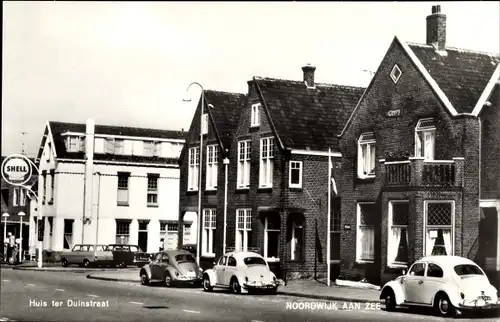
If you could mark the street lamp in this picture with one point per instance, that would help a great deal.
(5, 215)
(201, 162)
(21, 215)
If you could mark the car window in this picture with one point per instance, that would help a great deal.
(418, 269)
(77, 248)
(99, 248)
(434, 270)
(165, 258)
(254, 261)
(90, 248)
(222, 261)
(134, 249)
(84, 248)
(125, 249)
(467, 269)
(158, 257)
(231, 261)
(184, 258)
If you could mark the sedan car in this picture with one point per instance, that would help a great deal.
(172, 267)
(87, 255)
(124, 255)
(241, 272)
(450, 284)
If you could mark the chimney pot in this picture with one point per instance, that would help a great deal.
(436, 28)
(308, 71)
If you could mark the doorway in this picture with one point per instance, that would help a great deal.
(143, 235)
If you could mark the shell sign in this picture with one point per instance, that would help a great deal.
(16, 169)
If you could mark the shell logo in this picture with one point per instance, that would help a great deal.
(16, 169)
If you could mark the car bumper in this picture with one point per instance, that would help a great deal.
(260, 286)
(192, 281)
(479, 306)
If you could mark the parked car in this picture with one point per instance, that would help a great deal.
(189, 248)
(87, 255)
(124, 255)
(450, 284)
(172, 267)
(241, 272)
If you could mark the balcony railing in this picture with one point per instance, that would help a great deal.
(417, 172)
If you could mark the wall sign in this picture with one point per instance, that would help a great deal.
(16, 169)
(347, 227)
(394, 113)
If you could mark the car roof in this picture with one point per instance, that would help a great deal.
(174, 252)
(243, 254)
(447, 260)
(122, 245)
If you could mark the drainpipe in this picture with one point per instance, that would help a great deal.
(226, 164)
(87, 183)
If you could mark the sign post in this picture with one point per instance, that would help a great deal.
(17, 170)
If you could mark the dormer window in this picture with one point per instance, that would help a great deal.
(425, 138)
(148, 148)
(119, 146)
(255, 118)
(204, 124)
(158, 149)
(395, 74)
(73, 144)
(366, 155)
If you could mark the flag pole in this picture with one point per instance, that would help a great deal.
(328, 244)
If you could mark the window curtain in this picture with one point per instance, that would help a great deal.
(418, 145)
(429, 145)
(367, 243)
(447, 242)
(371, 169)
(394, 244)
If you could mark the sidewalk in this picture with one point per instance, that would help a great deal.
(304, 288)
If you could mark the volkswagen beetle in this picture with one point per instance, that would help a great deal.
(171, 267)
(449, 284)
(241, 272)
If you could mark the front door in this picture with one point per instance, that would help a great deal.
(414, 283)
(220, 270)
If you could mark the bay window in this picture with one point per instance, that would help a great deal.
(425, 138)
(212, 158)
(244, 148)
(366, 155)
(397, 245)
(365, 243)
(194, 168)
(439, 217)
(243, 229)
(266, 162)
(208, 233)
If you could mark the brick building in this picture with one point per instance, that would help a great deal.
(420, 160)
(277, 173)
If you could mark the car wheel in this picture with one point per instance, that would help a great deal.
(86, 263)
(144, 278)
(206, 284)
(167, 280)
(235, 286)
(443, 305)
(390, 301)
(64, 262)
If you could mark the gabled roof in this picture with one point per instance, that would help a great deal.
(59, 128)
(461, 74)
(308, 118)
(225, 112)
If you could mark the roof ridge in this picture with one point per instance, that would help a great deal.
(465, 50)
(119, 126)
(302, 82)
(224, 92)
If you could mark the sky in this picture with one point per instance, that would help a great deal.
(130, 63)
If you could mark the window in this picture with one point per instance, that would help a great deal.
(365, 243)
(68, 233)
(172, 236)
(395, 74)
(467, 269)
(204, 124)
(163, 234)
(73, 144)
(397, 246)
(43, 183)
(109, 145)
(77, 248)
(222, 261)
(208, 232)
(123, 180)
(148, 148)
(418, 269)
(295, 174)
(425, 138)
(266, 162)
(272, 237)
(194, 168)
(243, 229)
(244, 148)
(122, 232)
(187, 234)
(439, 227)
(119, 146)
(335, 230)
(297, 241)
(366, 155)
(152, 194)
(255, 115)
(16, 197)
(157, 149)
(212, 158)
(52, 184)
(434, 270)
(231, 261)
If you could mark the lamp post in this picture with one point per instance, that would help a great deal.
(21, 215)
(5, 216)
(226, 163)
(201, 162)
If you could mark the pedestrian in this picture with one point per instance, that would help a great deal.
(162, 244)
(10, 246)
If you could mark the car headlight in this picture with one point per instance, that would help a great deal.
(176, 273)
(462, 295)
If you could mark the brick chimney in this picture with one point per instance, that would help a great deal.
(309, 75)
(436, 28)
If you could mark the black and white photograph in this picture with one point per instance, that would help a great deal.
(250, 161)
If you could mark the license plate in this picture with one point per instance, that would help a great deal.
(485, 298)
(190, 274)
